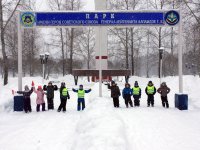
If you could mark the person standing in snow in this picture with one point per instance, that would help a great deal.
(115, 93)
(136, 94)
(127, 93)
(64, 95)
(26, 98)
(81, 97)
(50, 94)
(150, 91)
(164, 90)
(40, 98)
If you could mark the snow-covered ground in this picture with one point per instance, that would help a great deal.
(100, 126)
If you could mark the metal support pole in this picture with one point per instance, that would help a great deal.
(180, 56)
(19, 53)
(100, 65)
(161, 70)
(43, 77)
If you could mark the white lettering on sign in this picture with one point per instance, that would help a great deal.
(104, 16)
(112, 16)
(96, 16)
(87, 16)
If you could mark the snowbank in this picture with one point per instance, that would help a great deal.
(100, 126)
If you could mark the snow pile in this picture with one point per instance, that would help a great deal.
(100, 126)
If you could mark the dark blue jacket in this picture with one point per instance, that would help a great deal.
(86, 91)
(127, 91)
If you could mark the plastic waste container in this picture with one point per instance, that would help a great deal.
(18, 103)
(181, 101)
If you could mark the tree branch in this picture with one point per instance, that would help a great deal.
(11, 15)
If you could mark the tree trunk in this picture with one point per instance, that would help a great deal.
(63, 52)
(88, 50)
(3, 46)
(126, 49)
(71, 51)
(159, 45)
(132, 53)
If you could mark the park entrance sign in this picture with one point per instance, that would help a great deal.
(99, 19)
(67, 19)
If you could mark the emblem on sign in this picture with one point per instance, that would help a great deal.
(172, 17)
(28, 19)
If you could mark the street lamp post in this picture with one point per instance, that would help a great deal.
(161, 50)
(191, 67)
(43, 60)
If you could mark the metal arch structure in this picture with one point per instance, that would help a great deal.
(100, 20)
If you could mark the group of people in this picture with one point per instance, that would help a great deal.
(128, 92)
(48, 90)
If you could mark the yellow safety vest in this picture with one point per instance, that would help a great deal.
(81, 93)
(150, 89)
(136, 90)
(64, 92)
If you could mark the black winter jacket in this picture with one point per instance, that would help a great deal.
(115, 92)
(50, 90)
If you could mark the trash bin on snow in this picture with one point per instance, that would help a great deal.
(181, 101)
(18, 103)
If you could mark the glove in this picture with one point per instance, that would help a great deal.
(13, 92)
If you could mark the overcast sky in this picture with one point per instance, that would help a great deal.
(41, 5)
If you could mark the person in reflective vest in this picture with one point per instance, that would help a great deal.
(64, 95)
(81, 97)
(150, 91)
(136, 94)
(127, 93)
(163, 91)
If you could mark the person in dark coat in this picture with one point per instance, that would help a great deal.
(64, 95)
(164, 90)
(81, 97)
(115, 93)
(150, 91)
(136, 94)
(50, 94)
(127, 93)
(26, 98)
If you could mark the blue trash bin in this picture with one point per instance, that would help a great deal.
(181, 101)
(18, 103)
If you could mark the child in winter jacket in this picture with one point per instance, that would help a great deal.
(136, 94)
(81, 97)
(50, 88)
(164, 90)
(26, 98)
(115, 93)
(40, 98)
(127, 93)
(150, 91)
(64, 95)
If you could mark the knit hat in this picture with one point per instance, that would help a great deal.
(39, 87)
(81, 86)
(127, 84)
(150, 82)
(112, 82)
(136, 83)
(62, 83)
(163, 84)
(26, 88)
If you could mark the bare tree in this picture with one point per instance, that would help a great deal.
(3, 25)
